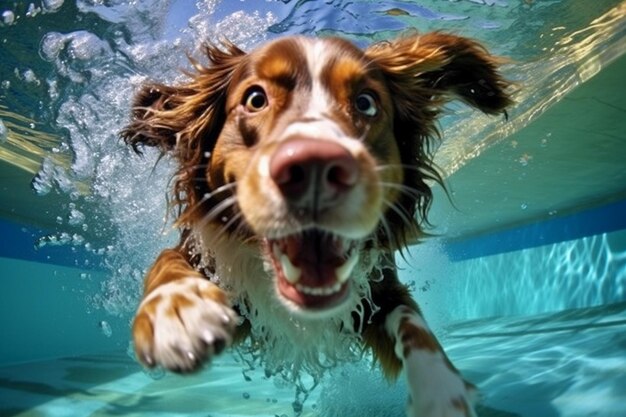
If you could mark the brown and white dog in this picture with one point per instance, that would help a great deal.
(303, 166)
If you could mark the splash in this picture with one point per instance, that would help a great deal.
(94, 78)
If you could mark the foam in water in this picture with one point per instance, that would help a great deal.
(104, 74)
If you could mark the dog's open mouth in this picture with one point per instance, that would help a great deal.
(313, 268)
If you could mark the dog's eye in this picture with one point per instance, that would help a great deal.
(365, 103)
(255, 100)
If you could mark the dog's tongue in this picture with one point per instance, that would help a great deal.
(317, 255)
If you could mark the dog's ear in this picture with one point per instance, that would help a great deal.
(178, 118)
(423, 72)
(426, 71)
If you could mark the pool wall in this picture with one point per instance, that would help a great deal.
(575, 261)
(47, 308)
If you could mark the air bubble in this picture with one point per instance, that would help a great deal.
(75, 217)
(525, 159)
(8, 17)
(52, 5)
(30, 77)
(33, 10)
(524, 206)
(4, 132)
(105, 327)
(154, 373)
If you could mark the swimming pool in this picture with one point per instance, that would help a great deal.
(524, 282)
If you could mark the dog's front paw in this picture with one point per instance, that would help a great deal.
(183, 323)
(436, 390)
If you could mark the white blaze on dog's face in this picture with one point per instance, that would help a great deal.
(308, 139)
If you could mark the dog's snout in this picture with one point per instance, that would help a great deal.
(313, 171)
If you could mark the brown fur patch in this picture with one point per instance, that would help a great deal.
(416, 338)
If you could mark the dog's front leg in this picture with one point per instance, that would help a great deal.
(183, 318)
(436, 389)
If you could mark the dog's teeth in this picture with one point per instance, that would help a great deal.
(291, 272)
(319, 291)
(343, 272)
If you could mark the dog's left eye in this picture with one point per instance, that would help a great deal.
(365, 103)
(255, 100)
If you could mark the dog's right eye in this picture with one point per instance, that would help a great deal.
(255, 100)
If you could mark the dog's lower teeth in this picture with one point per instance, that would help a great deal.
(319, 291)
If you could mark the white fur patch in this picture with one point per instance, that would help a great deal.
(183, 339)
(435, 390)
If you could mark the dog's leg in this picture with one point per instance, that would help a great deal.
(436, 389)
(183, 318)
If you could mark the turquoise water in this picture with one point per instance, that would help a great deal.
(527, 296)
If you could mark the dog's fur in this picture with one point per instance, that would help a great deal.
(303, 166)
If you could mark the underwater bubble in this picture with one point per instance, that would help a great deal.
(75, 217)
(524, 206)
(51, 44)
(154, 373)
(105, 327)
(4, 132)
(51, 5)
(525, 159)
(33, 10)
(8, 17)
(84, 275)
(6, 84)
(246, 395)
(30, 77)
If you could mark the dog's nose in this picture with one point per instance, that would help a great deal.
(313, 172)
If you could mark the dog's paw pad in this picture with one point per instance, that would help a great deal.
(182, 324)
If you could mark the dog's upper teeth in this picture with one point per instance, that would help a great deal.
(291, 272)
(343, 272)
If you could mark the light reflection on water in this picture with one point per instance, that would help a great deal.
(568, 364)
(574, 274)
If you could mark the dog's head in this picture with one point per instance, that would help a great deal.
(312, 149)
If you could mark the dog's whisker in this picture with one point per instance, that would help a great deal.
(401, 212)
(403, 189)
(225, 228)
(206, 197)
(218, 210)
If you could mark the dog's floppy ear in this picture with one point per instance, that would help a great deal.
(427, 70)
(177, 118)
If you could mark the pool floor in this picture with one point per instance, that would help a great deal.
(571, 363)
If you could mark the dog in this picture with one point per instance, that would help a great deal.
(304, 166)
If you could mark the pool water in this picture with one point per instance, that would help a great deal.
(523, 281)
